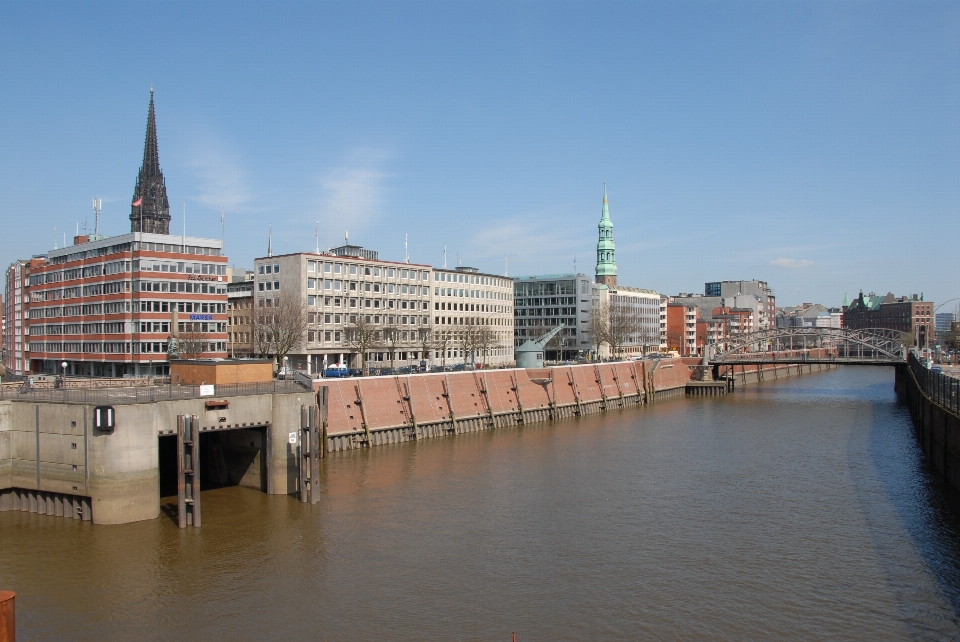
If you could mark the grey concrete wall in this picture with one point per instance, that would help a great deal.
(6, 465)
(119, 470)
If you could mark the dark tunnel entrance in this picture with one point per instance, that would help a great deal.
(227, 458)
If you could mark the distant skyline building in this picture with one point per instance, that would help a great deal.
(606, 272)
(545, 301)
(908, 314)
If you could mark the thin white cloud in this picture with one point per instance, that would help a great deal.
(353, 193)
(221, 179)
(546, 249)
(791, 264)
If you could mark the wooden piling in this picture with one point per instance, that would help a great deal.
(8, 616)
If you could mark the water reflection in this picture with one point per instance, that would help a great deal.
(798, 509)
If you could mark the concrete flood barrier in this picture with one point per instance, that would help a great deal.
(373, 411)
(55, 461)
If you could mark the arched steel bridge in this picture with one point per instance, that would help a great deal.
(872, 346)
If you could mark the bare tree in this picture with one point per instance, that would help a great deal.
(192, 344)
(362, 337)
(484, 339)
(427, 341)
(391, 338)
(600, 326)
(442, 341)
(279, 327)
(623, 322)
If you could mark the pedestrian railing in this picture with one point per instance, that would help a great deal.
(943, 390)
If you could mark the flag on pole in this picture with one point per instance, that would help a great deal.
(137, 202)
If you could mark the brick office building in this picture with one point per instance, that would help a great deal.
(106, 307)
(910, 315)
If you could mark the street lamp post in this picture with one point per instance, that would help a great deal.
(63, 369)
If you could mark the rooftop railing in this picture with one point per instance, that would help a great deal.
(153, 394)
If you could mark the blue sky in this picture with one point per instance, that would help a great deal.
(813, 145)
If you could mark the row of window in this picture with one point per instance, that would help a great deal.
(75, 292)
(183, 306)
(563, 300)
(376, 304)
(115, 327)
(179, 267)
(469, 307)
(468, 321)
(88, 347)
(545, 312)
(180, 286)
(328, 267)
(474, 279)
(118, 347)
(332, 285)
(470, 294)
(571, 322)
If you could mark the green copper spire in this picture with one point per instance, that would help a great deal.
(606, 259)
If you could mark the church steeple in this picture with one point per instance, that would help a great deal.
(150, 210)
(606, 258)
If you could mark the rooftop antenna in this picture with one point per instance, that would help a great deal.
(459, 263)
(506, 266)
(270, 242)
(97, 204)
(444, 256)
(55, 238)
(574, 265)
(346, 237)
(406, 252)
(317, 233)
(223, 234)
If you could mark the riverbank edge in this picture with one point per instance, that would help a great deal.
(616, 386)
(937, 428)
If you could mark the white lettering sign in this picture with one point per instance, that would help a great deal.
(207, 391)
(293, 438)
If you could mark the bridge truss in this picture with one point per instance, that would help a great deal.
(878, 346)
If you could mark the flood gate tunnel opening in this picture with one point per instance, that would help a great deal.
(235, 457)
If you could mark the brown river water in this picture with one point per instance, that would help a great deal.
(799, 509)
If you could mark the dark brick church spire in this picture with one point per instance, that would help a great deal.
(150, 211)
